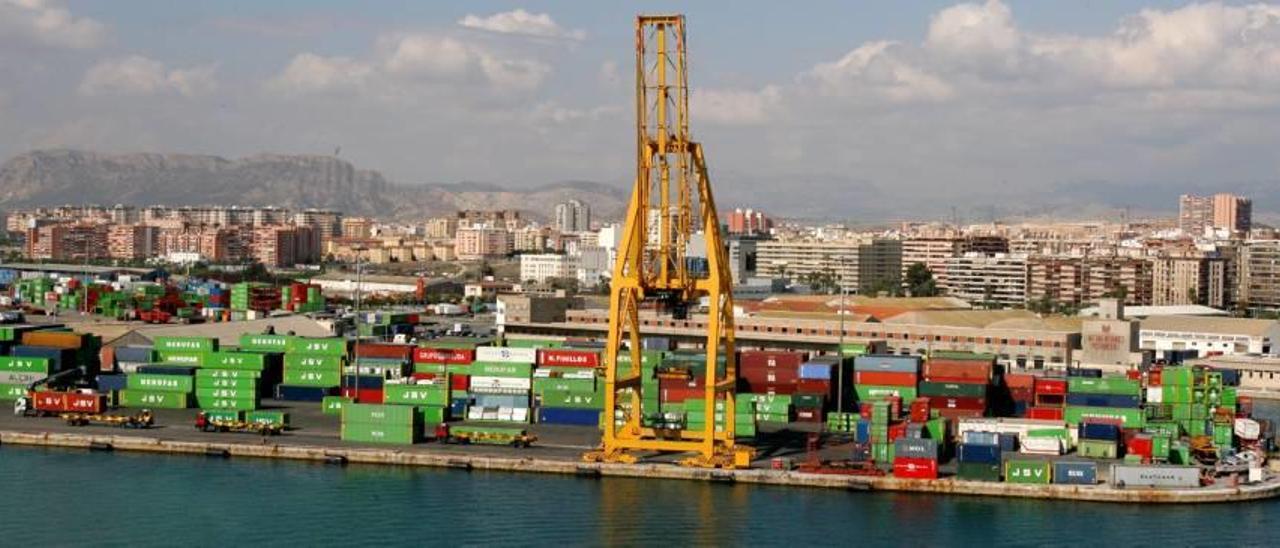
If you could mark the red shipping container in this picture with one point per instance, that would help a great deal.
(69, 401)
(1045, 413)
(363, 395)
(974, 404)
(813, 386)
(768, 359)
(384, 351)
(1140, 444)
(679, 394)
(1050, 400)
(1019, 380)
(864, 410)
(766, 388)
(553, 357)
(107, 359)
(896, 431)
(423, 376)
(444, 355)
(920, 409)
(957, 369)
(769, 376)
(1154, 376)
(915, 468)
(884, 378)
(1021, 394)
(955, 380)
(459, 383)
(960, 413)
(1133, 375)
(1051, 386)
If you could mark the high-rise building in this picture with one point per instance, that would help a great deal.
(933, 253)
(1188, 280)
(573, 216)
(807, 261)
(879, 266)
(474, 243)
(1260, 275)
(129, 242)
(749, 222)
(441, 228)
(1076, 281)
(538, 268)
(1220, 211)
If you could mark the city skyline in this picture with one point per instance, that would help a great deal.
(991, 107)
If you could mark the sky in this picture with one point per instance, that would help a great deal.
(872, 109)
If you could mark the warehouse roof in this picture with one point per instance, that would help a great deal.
(75, 268)
(875, 307)
(986, 319)
(1164, 310)
(1201, 324)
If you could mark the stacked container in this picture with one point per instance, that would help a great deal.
(816, 388)
(375, 423)
(768, 408)
(17, 373)
(915, 458)
(957, 383)
(312, 368)
(451, 363)
(232, 381)
(1050, 399)
(979, 456)
(158, 391)
(1098, 440)
(877, 377)
(501, 384)
(565, 388)
(880, 433)
(769, 372)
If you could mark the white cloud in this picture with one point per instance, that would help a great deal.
(734, 107)
(47, 23)
(138, 75)
(405, 60)
(609, 75)
(878, 71)
(521, 22)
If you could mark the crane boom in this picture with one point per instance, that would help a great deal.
(671, 206)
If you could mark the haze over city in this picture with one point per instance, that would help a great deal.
(998, 108)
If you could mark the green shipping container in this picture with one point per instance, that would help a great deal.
(1104, 385)
(1177, 376)
(778, 404)
(416, 394)
(12, 391)
(236, 360)
(868, 392)
(1174, 394)
(18, 364)
(303, 361)
(181, 357)
(435, 368)
(382, 433)
(1129, 417)
(160, 383)
(808, 400)
(432, 415)
(502, 369)
(153, 399)
(1028, 471)
(227, 374)
(198, 345)
(978, 471)
(1097, 449)
(882, 452)
(247, 384)
(953, 389)
(221, 414)
(228, 393)
(333, 346)
(263, 343)
(572, 400)
(312, 378)
(400, 415)
(240, 404)
(268, 417)
(543, 385)
(332, 405)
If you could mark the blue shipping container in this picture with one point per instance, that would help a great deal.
(1008, 442)
(59, 358)
(109, 383)
(179, 370)
(1099, 431)
(988, 454)
(135, 354)
(501, 400)
(863, 431)
(1075, 473)
(818, 371)
(981, 438)
(1085, 372)
(304, 393)
(655, 343)
(895, 364)
(1103, 400)
(363, 381)
(458, 407)
(575, 417)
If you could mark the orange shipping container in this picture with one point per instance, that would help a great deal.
(53, 339)
(942, 368)
(107, 356)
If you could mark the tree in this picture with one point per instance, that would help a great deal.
(920, 282)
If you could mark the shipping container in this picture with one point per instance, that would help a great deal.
(161, 383)
(1075, 472)
(896, 364)
(501, 354)
(331, 346)
(1172, 477)
(568, 358)
(152, 399)
(942, 368)
(916, 448)
(953, 389)
(915, 467)
(1028, 471)
(763, 359)
(263, 343)
(1103, 400)
(885, 378)
(317, 394)
(186, 344)
(444, 355)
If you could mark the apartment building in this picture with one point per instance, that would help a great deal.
(998, 280)
(132, 242)
(573, 216)
(1188, 280)
(482, 242)
(538, 268)
(1220, 211)
(1077, 281)
(1259, 264)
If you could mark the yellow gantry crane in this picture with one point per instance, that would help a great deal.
(671, 206)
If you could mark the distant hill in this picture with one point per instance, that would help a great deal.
(57, 177)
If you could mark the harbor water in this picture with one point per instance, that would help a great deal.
(67, 497)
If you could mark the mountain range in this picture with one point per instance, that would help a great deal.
(59, 177)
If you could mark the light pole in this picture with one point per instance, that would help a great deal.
(355, 389)
(840, 354)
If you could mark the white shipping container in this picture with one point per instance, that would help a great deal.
(1247, 429)
(502, 383)
(506, 355)
(1172, 477)
(1005, 425)
(1041, 446)
(1155, 394)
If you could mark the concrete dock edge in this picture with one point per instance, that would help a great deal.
(1100, 493)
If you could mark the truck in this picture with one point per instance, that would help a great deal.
(481, 435)
(205, 423)
(142, 419)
